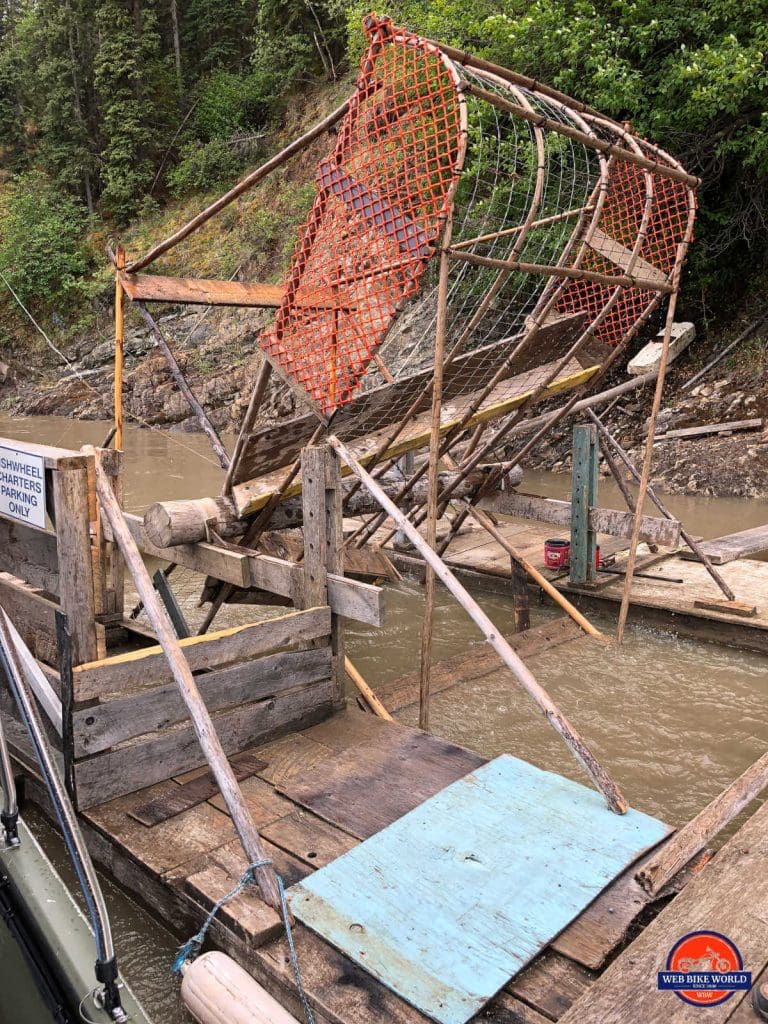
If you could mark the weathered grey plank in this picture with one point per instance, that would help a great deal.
(142, 763)
(711, 428)
(34, 617)
(190, 794)
(725, 897)
(653, 530)
(148, 666)
(113, 721)
(726, 549)
(29, 554)
(309, 838)
(551, 984)
(70, 488)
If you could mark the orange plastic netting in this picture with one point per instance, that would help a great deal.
(382, 198)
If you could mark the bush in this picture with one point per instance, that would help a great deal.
(234, 102)
(204, 167)
(43, 251)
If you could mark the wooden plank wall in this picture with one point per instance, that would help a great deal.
(258, 681)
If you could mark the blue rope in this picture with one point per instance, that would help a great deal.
(191, 948)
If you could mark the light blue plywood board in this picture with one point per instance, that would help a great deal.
(449, 902)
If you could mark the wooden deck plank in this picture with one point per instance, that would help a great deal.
(292, 755)
(728, 548)
(551, 984)
(627, 990)
(199, 830)
(367, 787)
(308, 838)
(191, 793)
(264, 803)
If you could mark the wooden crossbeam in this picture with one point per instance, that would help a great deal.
(204, 292)
(621, 256)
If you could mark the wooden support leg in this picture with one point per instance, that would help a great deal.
(520, 598)
(583, 495)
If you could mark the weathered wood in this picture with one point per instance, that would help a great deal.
(365, 788)
(551, 984)
(583, 498)
(624, 993)
(119, 347)
(197, 291)
(76, 592)
(53, 457)
(541, 698)
(373, 702)
(35, 678)
(726, 549)
(113, 721)
(30, 555)
(740, 608)
(665, 532)
(309, 838)
(192, 793)
(34, 616)
(521, 602)
(203, 729)
(252, 495)
(144, 762)
(207, 559)
(148, 666)
(625, 258)
(702, 829)
(711, 428)
(313, 461)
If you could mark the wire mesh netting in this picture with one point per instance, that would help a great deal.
(556, 244)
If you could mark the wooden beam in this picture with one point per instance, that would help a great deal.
(711, 428)
(583, 499)
(34, 616)
(37, 681)
(625, 258)
(701, 830)
(134, 670)
(722, 550)
(207, 559)
(653, 530)
(155, 288)
(30, 555)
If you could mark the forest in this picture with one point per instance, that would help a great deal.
(114, 113)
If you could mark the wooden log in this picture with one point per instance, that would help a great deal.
(373, 702)
(575, 743)
(148, 666)
(189, 521)
(110, 722)
(204, 729)
(76, 591)
(701, 830)
(665, 532)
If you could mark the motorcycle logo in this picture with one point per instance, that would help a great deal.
(704, 969)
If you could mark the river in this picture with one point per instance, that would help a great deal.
(672, 719)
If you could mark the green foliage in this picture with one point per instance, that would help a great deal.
(203, 167)
(43, 252)
(232, 102)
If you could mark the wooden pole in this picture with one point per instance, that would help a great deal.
(485, 521)
(567, 273)
(433, 478)
(521, 602)
(369, 696)
(248, 182)
(551, 712)
(185, 389)
(694, 836)
(583, 497)
(689, 540)
(257, 397)
(119, 345)
(182, 674)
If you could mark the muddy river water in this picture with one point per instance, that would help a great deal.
(673, 720)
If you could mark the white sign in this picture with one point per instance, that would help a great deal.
(22, 486)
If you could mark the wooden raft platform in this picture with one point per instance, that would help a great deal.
(373, 773)
(658, 602)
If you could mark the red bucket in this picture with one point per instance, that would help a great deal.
(557, 553)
